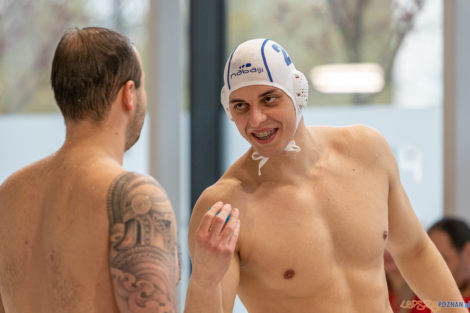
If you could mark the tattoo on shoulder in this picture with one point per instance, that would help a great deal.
(142, 245)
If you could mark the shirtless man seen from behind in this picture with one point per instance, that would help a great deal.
(78, 233)
(318, 206)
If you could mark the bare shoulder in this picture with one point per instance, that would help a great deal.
(350, 135)
(21, 175)
(21, 181)
(357, 141)
(132, 195)
(227, 189)
(133, 198)
(141, 191)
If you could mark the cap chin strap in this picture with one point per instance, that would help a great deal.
(291, 146)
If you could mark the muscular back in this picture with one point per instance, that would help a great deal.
(55, 236)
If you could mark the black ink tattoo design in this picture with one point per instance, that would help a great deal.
(143, 245)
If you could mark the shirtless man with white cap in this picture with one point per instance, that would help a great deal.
(317, 206)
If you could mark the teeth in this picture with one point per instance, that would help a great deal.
(265, 135)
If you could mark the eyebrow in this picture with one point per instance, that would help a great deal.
(264, 94)
(236, 100)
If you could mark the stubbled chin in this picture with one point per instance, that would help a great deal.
(268, 152)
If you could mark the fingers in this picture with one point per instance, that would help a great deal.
(206, 222)
(219, 227)
(219, 220)
(231, 229)
(233, 240)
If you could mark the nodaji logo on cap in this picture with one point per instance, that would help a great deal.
(246, 69)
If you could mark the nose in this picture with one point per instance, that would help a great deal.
(257, 116)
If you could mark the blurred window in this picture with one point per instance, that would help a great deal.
(353, 52)
(30, 31)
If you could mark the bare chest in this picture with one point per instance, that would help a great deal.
(299, 238)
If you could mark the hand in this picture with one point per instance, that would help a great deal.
(216, 239)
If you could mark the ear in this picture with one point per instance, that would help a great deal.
(128, 96)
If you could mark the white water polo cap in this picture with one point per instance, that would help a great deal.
(264, 62)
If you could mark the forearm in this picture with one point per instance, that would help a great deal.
(203, 299)
(428, 275)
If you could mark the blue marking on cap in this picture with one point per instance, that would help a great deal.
(264, 60)
(228, 69)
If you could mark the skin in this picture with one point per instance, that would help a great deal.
(398, 288)
(73, 227)
(458, 262)
(315, 224)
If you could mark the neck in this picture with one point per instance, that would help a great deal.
(99, 138)
(289, 164)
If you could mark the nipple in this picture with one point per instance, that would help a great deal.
(289, 274)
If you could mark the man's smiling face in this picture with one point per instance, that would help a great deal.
(265, 116)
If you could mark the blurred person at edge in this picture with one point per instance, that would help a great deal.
(452, 238)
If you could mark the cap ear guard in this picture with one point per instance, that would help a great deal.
(224, 100)
(300, 90)
(300, 93)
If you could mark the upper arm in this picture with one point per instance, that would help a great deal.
(143, 252)
(405, 232)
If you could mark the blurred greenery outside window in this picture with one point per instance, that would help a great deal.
(30, 31)
(314, 32)
(332, 32)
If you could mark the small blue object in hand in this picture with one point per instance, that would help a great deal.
(228, 217)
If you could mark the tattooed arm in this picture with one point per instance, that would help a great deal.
(143, 253)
